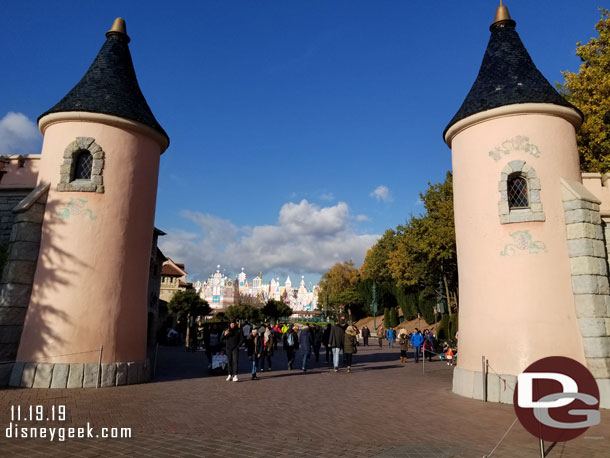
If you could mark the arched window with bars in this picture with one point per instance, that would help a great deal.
(517, 191)
(83, 165)
(519, 194)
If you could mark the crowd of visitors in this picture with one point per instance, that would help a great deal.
(302, 343)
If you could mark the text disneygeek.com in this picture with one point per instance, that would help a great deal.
(21, 425)
(61, 433)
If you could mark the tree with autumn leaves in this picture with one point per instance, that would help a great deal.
(589, 90)
(413, 266)
(340, 286)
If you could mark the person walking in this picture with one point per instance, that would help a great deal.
(325, 338)
(291, 345)
(268, 346)
(305, 343)
(403, 343)
(416, 340)
(336, 341)
(391, 336)
(247, 329)
(350, 346)
(233, 338)
(428, 345)
(254, 344)
(316, 338)
(277, 335)
(380, 334)
(366, 333)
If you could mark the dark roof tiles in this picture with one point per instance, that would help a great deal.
(507, 76)
(110, 87)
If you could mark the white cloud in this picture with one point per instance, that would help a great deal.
(306, 238)
(362, 218)
(419, 201)
(328, 196)
(382, 193)
(19, 135)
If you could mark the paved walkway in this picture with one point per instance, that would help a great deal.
(381, 409)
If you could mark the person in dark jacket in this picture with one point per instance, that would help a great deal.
(350, 343)
(305, 343)
(254, 344)
(325, 338)
(336, 341)
(403, 342)
(234, 338)
(291, 345)
(268, 345)
(316, 333)
(366, 333)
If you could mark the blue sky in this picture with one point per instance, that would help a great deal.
(300, 131)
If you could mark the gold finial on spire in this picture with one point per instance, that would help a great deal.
(502, 16)
(118, 27)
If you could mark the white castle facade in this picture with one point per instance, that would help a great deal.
(221, 292)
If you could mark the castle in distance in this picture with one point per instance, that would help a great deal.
(221, 292)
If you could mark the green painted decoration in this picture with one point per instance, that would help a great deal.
(518, 143)
(522, 241)
(75, 207)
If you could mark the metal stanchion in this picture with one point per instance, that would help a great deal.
(486, 377)
(542, 454)
(99, 368)
(423, 365)
(155, 365)
(483, 364)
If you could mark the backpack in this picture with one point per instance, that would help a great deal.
(290, 340)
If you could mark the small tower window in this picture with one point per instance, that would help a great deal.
(517, 192)
(83, 166)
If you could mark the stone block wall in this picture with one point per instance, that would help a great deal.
(79, 375)
(18, 274)
(9, 198)
(587, 242)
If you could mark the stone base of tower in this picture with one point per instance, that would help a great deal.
(79, 375)
(500, 388)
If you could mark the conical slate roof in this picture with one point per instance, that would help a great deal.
(110, 86)
(507, 76)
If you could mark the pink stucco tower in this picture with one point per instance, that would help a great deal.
(100, 165)
(532, 263)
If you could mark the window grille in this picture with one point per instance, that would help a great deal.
(517, 192)
(84, 164)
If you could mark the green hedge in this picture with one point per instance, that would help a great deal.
(442, 332)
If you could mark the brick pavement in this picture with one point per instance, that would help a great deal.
(382, 409)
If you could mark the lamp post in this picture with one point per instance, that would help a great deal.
(326, 308)
(374, 306)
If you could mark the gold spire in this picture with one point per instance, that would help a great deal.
(118, 27)
(502, 16)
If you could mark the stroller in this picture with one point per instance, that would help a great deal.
(219, 364)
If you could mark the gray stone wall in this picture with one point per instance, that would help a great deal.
(79, 375)
(587, 248)
(9, 200)
(18, 274)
